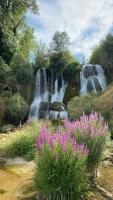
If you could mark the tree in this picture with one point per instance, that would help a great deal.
(59, 53)
(42, 56)
(60, 42)
(5, 73)
(103, 55)
(12, 15)
(22, 70)
(95, 57)
(26, 43)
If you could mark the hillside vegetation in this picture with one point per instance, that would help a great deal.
(102, 103)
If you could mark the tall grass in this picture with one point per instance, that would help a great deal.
(21, 142)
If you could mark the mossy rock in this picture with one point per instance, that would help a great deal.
(56, 106)
(46, 106)
(7, 128)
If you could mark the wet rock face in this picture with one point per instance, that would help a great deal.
(46, 108)
(89, 70)
(92, 79)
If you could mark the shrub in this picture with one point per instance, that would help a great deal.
(78, 105)
(60, 166)
(4, 72)
(24, 147)
(91, 131)
(7, 93)
(22, 70)
(17, 108)
(22, 142)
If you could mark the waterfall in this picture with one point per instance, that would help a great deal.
(51, 95)
(59, 94)
(92, 78)
(41, 94)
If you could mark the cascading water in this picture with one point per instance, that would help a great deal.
(92, 79)
(43, 94)
(58, 95)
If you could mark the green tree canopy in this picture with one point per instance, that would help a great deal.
(60, 42)
(42, 56)
(60, 55)
(21, 70)
(5, 74)
(103, 54)
(12, 16)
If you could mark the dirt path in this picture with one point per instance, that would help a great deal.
(13, 177)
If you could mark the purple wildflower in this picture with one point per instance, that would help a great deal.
(62, 139)
(92, 125)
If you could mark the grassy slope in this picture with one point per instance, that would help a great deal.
(21, 142)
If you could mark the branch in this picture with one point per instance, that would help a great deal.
(17, 25)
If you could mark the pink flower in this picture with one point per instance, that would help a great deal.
(92, 125)
(59, 139)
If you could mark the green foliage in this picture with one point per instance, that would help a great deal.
(72, 69)
(27, 43)
(92, 131)
(95, 57)
(22, 143)
(42, 57)
(78, 105)
(4, 72)
(17, 108)
(12, 14)
(103, 55)
(62, 61)
(24, 147)
(60, 57)
(22, 71)
(95, 145)
(6, 93)
(2, 109)
(60, 42)
(59, 176)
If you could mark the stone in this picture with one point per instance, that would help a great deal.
(45, 107)
(7, 128)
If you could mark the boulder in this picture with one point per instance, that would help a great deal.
(7, 128)
(46, 107)
(57, 106)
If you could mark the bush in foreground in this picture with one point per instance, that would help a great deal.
(60, 166)
(91, 131)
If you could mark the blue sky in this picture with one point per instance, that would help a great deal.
(86, 22)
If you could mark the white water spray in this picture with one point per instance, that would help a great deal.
(42, 94)
(91, 78)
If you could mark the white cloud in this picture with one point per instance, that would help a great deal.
(76, 17)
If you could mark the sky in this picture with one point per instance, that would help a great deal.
(87, 22)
